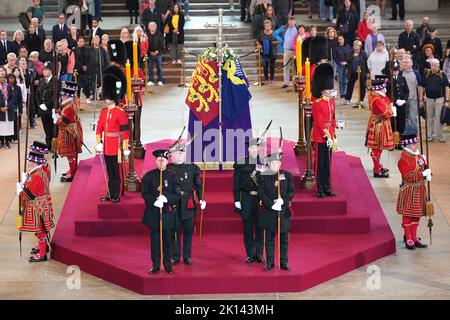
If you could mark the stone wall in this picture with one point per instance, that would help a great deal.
(11, 9)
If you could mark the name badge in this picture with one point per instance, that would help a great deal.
(166, 183)
(185, 175)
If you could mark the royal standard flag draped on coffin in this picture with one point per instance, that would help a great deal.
(203, 95)
(235, 93)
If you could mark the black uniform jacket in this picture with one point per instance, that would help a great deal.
(189, 179)
(268, 193)
(150, 191)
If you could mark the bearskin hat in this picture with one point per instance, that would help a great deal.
(305, 48)
(117, 52)
(323, 79)
(318, 49)
(113, 88)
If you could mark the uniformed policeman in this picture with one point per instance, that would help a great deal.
(275, 191)
(160, 204)
(246, 202)
(113, 133)
(189, 179)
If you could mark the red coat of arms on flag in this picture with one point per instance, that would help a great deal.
(203, 95)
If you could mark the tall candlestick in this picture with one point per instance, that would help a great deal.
(135, 60)
(308, 79)
(128, 75)
(299, 56)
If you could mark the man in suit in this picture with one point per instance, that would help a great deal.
(96, 30)
(6, 47)
(60, 30)
(45, 101)
(39, 30)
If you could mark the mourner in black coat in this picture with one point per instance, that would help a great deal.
(45, 101)
(155, 201)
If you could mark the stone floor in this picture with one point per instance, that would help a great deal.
(422, 274)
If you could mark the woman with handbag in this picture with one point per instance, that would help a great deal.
(347, 22)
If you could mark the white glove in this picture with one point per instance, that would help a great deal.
(237, 204)
(55, 117)
(341, 124)
(400, 102)
(126, 153)
(427, 174)
(24, 177)
(329, 143)
(19, 187)
(280, 201)
(202, 204)
(99, 148)
(394, 111)
(276, 207)
(158, 204)
(162, 198)
(43, 107)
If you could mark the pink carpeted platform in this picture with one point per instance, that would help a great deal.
(329, 236)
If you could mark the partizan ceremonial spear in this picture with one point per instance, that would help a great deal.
(429, 209)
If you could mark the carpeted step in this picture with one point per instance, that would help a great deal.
(337, 224)
(219, 263)
(221, 205)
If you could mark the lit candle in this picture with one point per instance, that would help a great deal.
(299, 56)
(128, 75)
(135, 60)
(308, 79)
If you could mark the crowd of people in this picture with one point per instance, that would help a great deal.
(78, 54)
(358, 52)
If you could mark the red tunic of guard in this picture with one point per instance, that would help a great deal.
(70, 133)
(413, 192)
(412, 197)
(379, 130)
(38, 213)
(323, 113)
(113, 125)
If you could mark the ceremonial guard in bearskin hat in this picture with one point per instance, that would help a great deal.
(160, 190)
(379, 134)
(275, 191)
(34, 193)
(189, 180)
(70, 131)
(324, 127)
(246, 201)
(113, 133)
(412, 197)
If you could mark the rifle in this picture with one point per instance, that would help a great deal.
(429, 209)
(19, 173)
